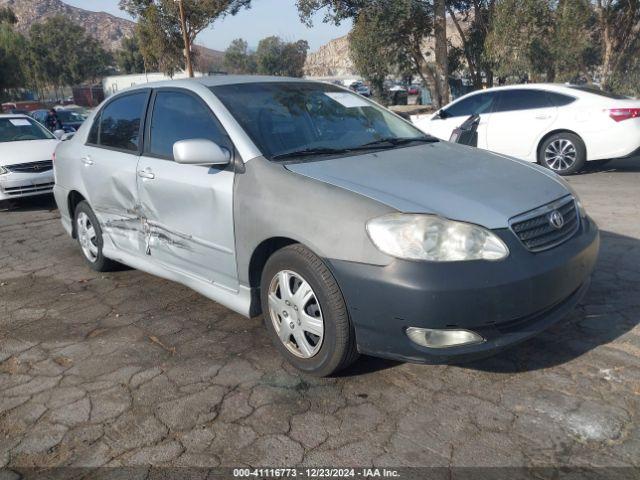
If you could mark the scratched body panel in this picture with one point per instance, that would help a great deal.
(188, 215)
(111, 181)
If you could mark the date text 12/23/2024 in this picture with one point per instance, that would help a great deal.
(315, 473)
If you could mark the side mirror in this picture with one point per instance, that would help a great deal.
(442, 114)
(59, 134)
(200, 152)
(67, 136)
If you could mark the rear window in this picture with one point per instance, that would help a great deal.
(560, 100)
(601, 93)
(22, 129)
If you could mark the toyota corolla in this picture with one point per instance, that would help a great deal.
(349, 229)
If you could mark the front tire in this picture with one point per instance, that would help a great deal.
(564, 153)
(305, 313)
(89, 236)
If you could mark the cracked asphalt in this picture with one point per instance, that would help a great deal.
(127, 369)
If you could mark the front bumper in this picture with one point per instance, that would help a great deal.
(18, 185)
(506, 302)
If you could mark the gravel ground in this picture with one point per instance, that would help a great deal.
(128, 369)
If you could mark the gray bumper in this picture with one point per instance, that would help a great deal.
(506, 302)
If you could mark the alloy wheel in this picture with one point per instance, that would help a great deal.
(560, 155)
(295, 313)
(87, 237)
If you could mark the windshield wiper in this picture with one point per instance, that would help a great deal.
(382, 143)
(394, 141)
(310, 151)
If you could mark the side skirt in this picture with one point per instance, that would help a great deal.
(239, 301)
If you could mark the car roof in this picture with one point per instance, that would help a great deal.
(14, 115)
(532, 86)
(218, 80)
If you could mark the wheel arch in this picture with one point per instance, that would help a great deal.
(261, 255)
(73, 199)
(257, 262)
(554, 132)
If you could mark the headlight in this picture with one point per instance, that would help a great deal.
(3, 170)
(435, 239)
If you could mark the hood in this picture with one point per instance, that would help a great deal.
(12, 153)
(453, 181)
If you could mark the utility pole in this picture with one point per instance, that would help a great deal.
(185, 37)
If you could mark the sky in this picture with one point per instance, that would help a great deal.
(263, 19)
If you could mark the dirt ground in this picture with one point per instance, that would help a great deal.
(128, 369)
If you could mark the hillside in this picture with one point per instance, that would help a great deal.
(107, 28)
(334, 58)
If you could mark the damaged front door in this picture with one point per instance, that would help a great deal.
(108, 168)
(187, 209)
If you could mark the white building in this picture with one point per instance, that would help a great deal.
(117, 83)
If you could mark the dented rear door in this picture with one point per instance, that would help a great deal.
(109, 163)
(187, 209)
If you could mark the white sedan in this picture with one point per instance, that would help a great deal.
(26, 153)
(559, 126)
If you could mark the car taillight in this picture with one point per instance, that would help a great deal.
(622, 114)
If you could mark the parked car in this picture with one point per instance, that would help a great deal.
(26, 152)
(414, 90)
(348, 228)
(71, 121)
(363, 90)
(559, 126)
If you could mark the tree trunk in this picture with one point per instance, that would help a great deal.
(442, 61)
(185, 37)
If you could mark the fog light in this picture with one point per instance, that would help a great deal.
(428, 337)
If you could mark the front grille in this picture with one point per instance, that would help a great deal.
(32, 167)
(25, 189)
(536, 231)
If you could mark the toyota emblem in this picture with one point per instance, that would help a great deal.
(556, 220)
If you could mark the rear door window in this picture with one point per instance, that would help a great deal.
(517, 100)
(121, 120)
(181, 116)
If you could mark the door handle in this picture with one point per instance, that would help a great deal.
(86, 160)
(146, 173)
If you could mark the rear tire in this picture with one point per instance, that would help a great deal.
(564, 153)
(305, 313)
(89, 236)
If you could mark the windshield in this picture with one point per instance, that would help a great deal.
(286, 118)
(21, 129)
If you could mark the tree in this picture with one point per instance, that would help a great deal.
(159, 23)
(7, 16)
(543, 40)
(472, 21)
(574, 42)
(371, 55)
(12, 47)
(442, 66)
(61, 53)
(129, 58)
(519, 42)
(238, 59)
(618, 23)
(409, 23)
(276, 57)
